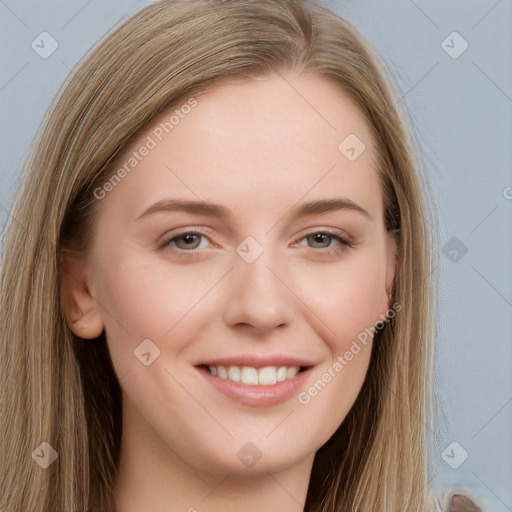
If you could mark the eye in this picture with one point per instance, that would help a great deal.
(186, 241)
(324, 240)
(319, 240)
(332, 242)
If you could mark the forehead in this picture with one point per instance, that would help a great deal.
(257, 142)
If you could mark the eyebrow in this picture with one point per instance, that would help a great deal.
(217, 210)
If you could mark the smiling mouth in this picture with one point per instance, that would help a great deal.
(252, 376)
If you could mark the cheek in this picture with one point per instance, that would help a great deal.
(346, 297)
(346, 302)
(141, 301)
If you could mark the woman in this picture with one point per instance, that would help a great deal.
(260, 369)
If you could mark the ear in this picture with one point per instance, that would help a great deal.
(80, 308)
(461, 503)
(391, 256)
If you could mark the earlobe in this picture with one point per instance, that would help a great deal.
(89, 326)
(80, 309)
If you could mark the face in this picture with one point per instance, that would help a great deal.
(245, 241)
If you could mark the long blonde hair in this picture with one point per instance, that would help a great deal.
(57, 389)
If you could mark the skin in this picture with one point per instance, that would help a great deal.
(258, 148)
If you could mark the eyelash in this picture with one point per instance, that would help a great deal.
(343, 239)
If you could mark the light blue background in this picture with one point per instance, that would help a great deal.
(462, 113)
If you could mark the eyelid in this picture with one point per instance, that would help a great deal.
(334, 232)
(204, 231)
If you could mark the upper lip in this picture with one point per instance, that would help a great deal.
(258, 361)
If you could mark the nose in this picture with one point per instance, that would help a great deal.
(260, 299)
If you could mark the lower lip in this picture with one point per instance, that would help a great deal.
(258, 396)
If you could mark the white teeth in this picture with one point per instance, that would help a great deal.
(281, 374)
(234, 373)
(267, 376)
(249, 376)
(291, 372)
